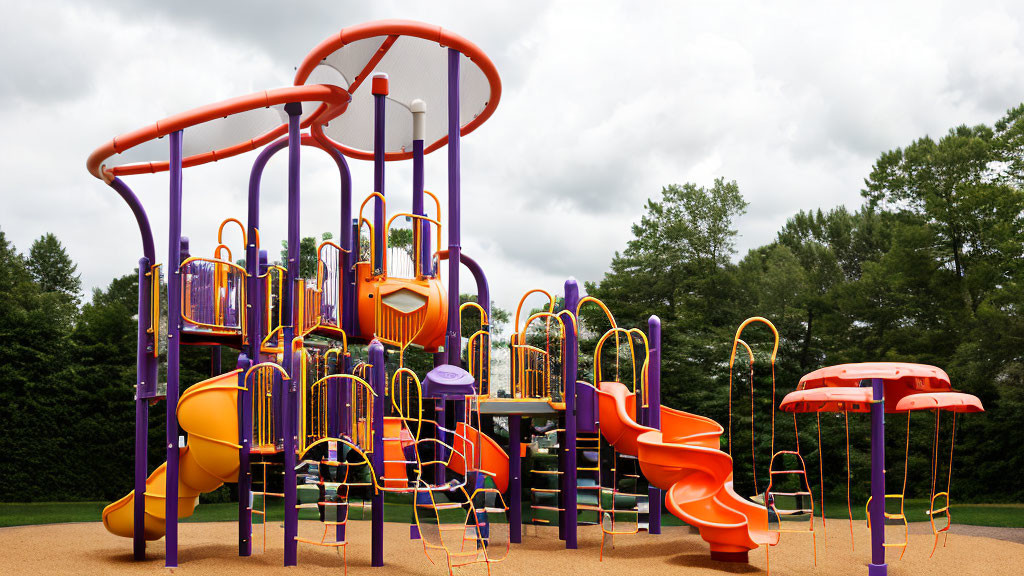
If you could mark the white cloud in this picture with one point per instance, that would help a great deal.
(603, 103)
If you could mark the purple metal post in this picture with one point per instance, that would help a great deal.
(215, 361)
(515, 479)
(380, 93)
(440, 453)
(569, 375)
(345, 241)
(146, 366)
(141, 415)
(453, 342)
(379, 374)
(344, 429)
(291, 407)
(483, 292)
(422, 228)
(878, 567)
(244, 474)
(173, 350)
(654, 415)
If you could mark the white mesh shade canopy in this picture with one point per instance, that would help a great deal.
(417, 70)
(217, 134)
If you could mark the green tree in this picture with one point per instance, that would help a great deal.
(308, 257)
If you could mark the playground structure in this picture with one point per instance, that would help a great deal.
(323, 410)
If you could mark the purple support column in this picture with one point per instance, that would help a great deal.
(569, 375)
(244, 473)
(146, 365)
(654, 415)
(379, 383)
(440, 453)
(453, 340)
(345, 241)
(290, 406)
(380, 93)
(344, 430)
(419, 113)
(878, 567)
(215, 361)
(515, 479)
(173, 350)
(142, 357)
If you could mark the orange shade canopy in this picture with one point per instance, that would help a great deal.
(906, 387)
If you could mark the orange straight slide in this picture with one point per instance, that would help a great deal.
(208, 412)
(684, 460)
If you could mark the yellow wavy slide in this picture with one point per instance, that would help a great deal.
(208, 412)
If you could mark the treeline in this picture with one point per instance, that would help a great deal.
(929, 269)
(67, 376)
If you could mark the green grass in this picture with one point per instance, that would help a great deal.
(999, 515)
(20, 514)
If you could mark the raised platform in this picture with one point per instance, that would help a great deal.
(512, 406)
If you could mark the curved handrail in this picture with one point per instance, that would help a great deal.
(520, 340)
(402, 404)
(416, 249)
(600, 304)
(519, 308)
(154, 306)
(217, 256)
(374, 265)
(629, 333)
(732, 359)
(267, 277)
(220, 229)
(471, 304)
(739, 332)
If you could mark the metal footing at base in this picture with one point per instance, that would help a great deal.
(878, 569)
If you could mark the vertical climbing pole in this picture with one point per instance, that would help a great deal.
(515, 479)
(145, 358)
(878, 567)
(173, 350)
(453, 342)
(245, 445)
(290, 397)
(419, 127)
(380, 378)
(569, 369)
(379, 88)
(346, 300)
(254, 331)
(654, 414)
(141, 415)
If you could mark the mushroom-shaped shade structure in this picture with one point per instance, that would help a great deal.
(847, 388)
(414, 55)
(215, 131)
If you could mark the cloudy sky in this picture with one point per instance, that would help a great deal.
(602, 104)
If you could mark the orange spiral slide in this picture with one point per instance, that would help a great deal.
(208, 412)
(684, 460)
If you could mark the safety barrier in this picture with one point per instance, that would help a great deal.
(213, 295)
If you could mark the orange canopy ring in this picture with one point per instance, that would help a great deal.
(331, 101)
